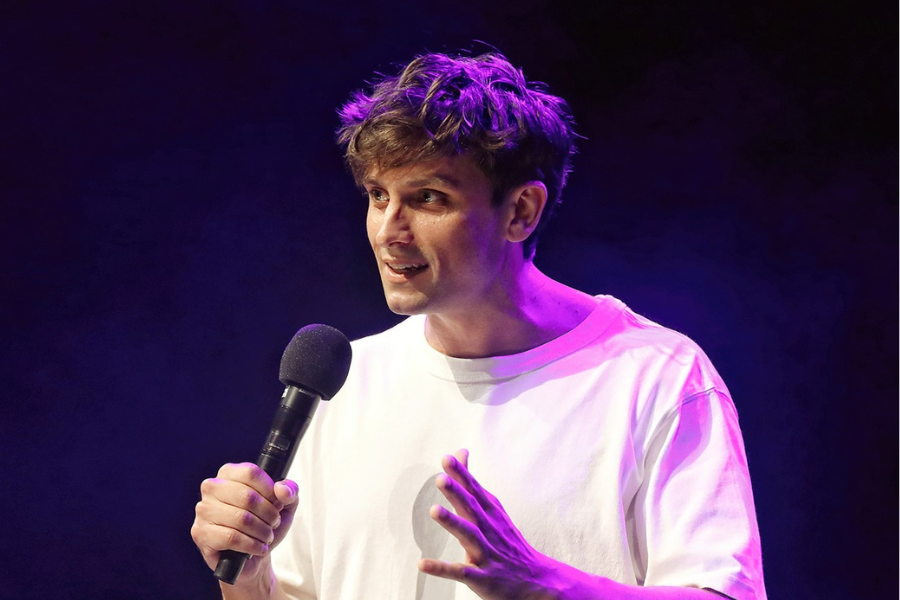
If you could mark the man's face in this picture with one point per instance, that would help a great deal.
(440, 244)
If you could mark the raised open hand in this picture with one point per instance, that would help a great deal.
(499, 563)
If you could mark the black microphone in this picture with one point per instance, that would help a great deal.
(314, 366)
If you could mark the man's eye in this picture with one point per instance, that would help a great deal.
(429, 197)
(376, 195)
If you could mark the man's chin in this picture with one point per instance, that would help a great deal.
(405, 305)
(405, 311)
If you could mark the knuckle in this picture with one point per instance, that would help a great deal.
(196, 533)
(249, 498)
(480, 519)
(239, 471)
(224, 470)
(251, 471)
(245, 518)
(208, 486)
(232, 538)
(475, 535)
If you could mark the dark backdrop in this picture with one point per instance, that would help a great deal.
(175, 209)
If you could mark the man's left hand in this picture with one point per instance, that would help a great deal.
(499, 563)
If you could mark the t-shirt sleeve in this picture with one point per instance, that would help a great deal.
(695, 523)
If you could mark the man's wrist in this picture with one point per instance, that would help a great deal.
(565, 582)
(259, 585)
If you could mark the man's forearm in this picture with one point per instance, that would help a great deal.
(578, 585)
(633, 592)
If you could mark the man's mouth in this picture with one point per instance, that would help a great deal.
(407, 268)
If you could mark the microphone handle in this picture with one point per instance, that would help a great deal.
(291, 421)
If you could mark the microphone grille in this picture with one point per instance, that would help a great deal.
(317, 359)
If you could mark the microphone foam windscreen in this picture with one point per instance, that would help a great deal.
(317, 359)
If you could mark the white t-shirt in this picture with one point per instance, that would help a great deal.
(614, 448)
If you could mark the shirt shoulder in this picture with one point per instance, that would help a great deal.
(658, 369)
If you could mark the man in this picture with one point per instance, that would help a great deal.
(611, 441)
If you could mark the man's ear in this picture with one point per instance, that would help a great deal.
(527, 204)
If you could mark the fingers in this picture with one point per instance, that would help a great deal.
(459, 498)
(211, 539)
(499, 562)
(236, 507)
(242, 509)
(244, 492)
(459, 473)
(455, 571)
(468, 522)
(251, 476)
(216, 529)
(457, 470)
(462, 455)
(461, 489)
(468, 534)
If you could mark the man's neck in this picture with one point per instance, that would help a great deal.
(533, 310)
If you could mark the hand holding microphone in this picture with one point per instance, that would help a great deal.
(242, 511)
(246, 509)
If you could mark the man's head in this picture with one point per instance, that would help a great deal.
(481, 107)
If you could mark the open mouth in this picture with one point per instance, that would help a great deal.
(406, 268)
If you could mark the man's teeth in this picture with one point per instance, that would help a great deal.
(406, 268)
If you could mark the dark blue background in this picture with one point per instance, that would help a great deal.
(175, 210)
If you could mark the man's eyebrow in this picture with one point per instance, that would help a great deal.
(436, 178)
(433, 179)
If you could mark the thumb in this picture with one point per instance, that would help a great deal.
(286, 492)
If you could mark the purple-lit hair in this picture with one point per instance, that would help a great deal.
(479, 106)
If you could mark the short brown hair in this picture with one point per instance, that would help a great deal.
(481, 106)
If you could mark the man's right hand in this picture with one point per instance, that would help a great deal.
(242, 509)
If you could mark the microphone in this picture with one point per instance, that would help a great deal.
(314, 366)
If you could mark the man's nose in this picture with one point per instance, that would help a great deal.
(394, 226)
